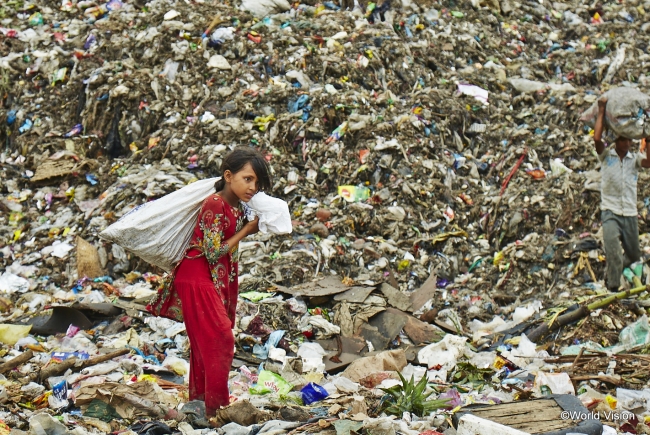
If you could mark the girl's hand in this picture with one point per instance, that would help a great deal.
(252, 227)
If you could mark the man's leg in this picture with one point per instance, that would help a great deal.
(613, 251)
(630, 240)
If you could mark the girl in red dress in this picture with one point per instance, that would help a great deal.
(204, 286)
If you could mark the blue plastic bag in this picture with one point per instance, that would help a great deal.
(313, 393)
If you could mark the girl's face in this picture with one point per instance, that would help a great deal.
(242, 183)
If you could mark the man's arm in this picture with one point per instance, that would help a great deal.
(598, 130)
(645, 163)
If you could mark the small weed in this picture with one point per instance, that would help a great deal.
(410, 397)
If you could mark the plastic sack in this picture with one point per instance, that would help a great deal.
(262, 8)
(273, 213)
(313, 393)
(160, 231)
(627, 113)
(269, 382)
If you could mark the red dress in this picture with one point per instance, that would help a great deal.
(205, 286)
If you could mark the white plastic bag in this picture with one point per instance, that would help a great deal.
(160, 231)
(273, 213)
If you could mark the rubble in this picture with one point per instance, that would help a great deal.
(442, 187)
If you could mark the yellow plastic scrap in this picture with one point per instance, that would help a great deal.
(149, 378)
(498, 258)
(403, 265)
(611, 401)
(514, 341)
(134, 148)
(262, 122)
(444, 236)
(10, 334)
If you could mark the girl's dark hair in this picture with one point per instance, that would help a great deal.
(237, 159)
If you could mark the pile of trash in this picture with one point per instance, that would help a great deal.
(443, 190)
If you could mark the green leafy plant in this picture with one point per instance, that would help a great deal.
(410, 397)
(467, 373)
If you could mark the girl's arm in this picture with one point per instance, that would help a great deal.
(249, 229)
(212, 225)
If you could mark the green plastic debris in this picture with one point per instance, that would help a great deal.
(36, 19)
(101, 410)
(269, 382)
(254, 296)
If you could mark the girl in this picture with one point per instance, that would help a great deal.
(205, 282)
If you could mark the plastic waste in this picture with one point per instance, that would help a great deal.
(262, 352)
(354, 193)
(313, 393)
(554, 383)
(269, 382)
(637, 401)
(312, 357)
(10, 334)
(10, 283)
(273, 213)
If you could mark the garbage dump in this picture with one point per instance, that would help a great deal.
(446, 266)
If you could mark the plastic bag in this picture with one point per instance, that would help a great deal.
(627, 113)
(558, 383)
(633, 400)
(160, 231)
(313, 393)
(269, 382)
(273, 213)
(10, 334)
(636, 334)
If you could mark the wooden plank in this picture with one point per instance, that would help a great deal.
(519, 407)
(533, 428)
(534, 417)
(523, 418)
(497, 413)
(524, 414)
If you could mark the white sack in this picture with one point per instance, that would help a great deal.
(159, 231)
(273, 213)
(262, 8)
(627, 113)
